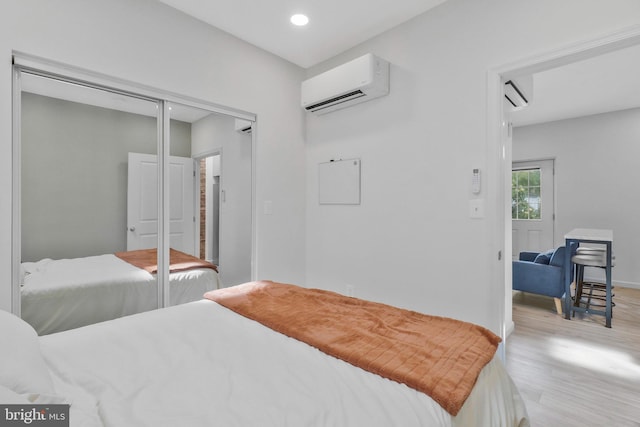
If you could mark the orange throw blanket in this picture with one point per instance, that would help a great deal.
(435, 355)
(147, 259)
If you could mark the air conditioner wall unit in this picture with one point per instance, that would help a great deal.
(518, 93)
(243, 126)
(356, 81)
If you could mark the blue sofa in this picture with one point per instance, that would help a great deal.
(541, 273)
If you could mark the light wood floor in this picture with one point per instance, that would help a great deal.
(577, 372)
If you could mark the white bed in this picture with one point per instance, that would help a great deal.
(63, 294)
(200, 364)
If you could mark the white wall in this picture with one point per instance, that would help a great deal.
(411, 241)
(597, 176)
(147, 42)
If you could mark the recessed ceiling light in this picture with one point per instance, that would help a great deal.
(299, 20)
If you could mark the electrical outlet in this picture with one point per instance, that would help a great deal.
(476, 208)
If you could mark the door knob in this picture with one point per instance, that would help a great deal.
(132, 229)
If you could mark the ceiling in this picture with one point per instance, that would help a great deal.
(602, 84)
(334, 25)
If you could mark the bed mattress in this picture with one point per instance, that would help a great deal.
(63, 294)
(200, 364)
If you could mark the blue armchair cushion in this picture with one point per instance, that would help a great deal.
(528, 256)
(544, 257)
(557, 259)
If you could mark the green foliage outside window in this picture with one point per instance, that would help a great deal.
(525, 194)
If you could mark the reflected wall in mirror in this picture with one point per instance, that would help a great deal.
(89, 210)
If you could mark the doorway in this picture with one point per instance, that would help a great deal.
(210, 187)
(500, 143)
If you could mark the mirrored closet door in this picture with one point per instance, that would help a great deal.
(126, 201)
(75, 203)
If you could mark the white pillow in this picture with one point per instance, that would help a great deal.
(22, 367)
(10, 397)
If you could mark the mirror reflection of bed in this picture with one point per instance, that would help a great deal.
(89, 192)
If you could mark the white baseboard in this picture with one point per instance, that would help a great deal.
(632, 285)
(621, 283)
(509, 328)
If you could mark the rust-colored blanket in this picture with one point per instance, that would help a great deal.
(438, 356)
(147, 259)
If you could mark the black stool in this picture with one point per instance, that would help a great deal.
(590, 293)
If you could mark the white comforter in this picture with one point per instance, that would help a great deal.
(68, 293)
(200, 364)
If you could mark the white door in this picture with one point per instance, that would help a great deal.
(532, 206)
(142, 203)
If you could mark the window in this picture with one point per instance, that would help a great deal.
(525, 194)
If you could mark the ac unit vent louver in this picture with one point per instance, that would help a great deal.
(518, 93)
(246, 129)
(359, 80)
(337, 100)
(513, 94)
(243, 126)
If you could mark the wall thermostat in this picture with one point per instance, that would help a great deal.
(475, 181)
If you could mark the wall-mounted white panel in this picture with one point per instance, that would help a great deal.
(339, 182)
